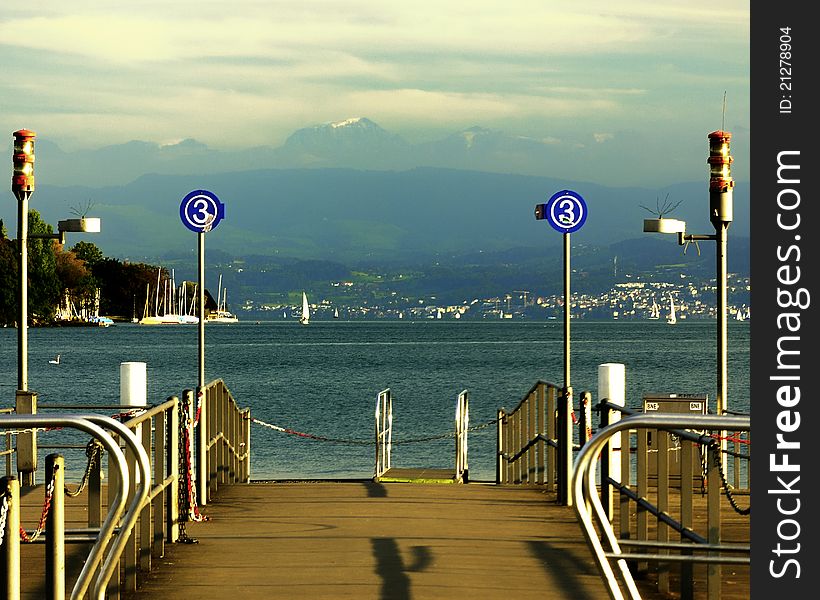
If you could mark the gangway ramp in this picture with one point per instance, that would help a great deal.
(364, 540)
(385, 472)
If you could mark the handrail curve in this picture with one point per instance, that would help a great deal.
(95, 428)
(586, 499)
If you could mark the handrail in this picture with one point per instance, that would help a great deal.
(222, 430)
(587, 501)
(95, 427)
(462, 424)
(384, 431)
(139, 499)
(535, 440)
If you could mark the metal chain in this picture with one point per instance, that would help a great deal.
(93, 450)
(29, 538)
(184, 510)
(727, 488)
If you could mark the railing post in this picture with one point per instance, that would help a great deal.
(687, 462)
(246, 471)
(26, 404)
(130, 552)
(662, 532)
(531, 431)
(55, 529)
(172, 458)
(499, 447)
(146, 521)
(158, 511)
(10, 549)
(201, 428)
(539, 427)
(551, 425)
(585, 425)
(606, 460)
(94, 501)
(713, 498)
(564, 439)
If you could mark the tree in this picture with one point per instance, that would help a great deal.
(43, 284)
(124, 286)
(88, 252)
(8, 281)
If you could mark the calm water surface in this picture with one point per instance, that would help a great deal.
(323, 379)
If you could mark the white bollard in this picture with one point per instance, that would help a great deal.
(612, 387)
(134, 390)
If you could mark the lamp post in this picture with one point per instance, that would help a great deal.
(22, 185)
(721, 186)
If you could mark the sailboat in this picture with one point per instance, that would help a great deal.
(305, 318)
(655, 314)
(168, 317)
(221, 314)
(336, 313)
(671, 319)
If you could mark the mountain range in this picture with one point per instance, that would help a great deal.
(347, 191)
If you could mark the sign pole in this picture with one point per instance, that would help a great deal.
(201, 294)
(567, 385)
(566, 212)
(201, 211)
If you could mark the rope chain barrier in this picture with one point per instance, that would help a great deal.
(367, 442)
(31, 537)
(188, 508)
(93, 450)
(727, 489)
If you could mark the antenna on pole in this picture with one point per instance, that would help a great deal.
(723, 117)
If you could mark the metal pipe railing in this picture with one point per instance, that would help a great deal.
(535, 440)
(591, 512)
(222, 439)
(94, 427)
(384, 431)
(462, 424)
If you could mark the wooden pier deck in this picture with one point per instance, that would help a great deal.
(364, 540)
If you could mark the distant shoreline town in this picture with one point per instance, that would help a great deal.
(625, 301)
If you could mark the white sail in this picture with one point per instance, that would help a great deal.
(305, 318)
(672, 318)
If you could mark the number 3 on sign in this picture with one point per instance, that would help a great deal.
(566, 211)
(201, 211)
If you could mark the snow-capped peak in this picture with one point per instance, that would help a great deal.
(348, 122)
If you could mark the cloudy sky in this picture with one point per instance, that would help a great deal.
(650, 76)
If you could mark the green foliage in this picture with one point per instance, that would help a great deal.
(43, 283)
(8, 282)
(88, 252)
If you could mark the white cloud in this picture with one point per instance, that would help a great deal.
(252, 71)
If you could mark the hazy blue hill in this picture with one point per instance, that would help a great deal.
(353, 215)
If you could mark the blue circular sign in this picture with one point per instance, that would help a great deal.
(566, 211)
(201, 211)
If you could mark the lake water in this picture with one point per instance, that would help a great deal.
(323, 379)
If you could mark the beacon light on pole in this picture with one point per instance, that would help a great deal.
(22, 178)
(720, 178)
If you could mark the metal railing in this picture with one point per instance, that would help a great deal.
(462, 424)
(535, 440)
(162, 469)
(384, 431)
(113, 532)
(224, 443)
(686, 433)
